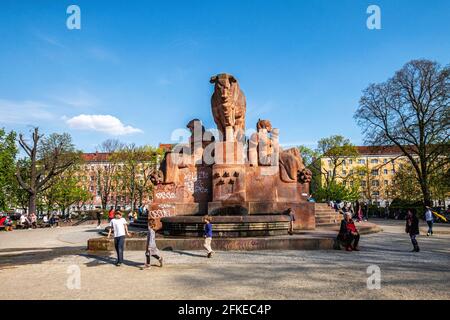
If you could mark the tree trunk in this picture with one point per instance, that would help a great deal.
(32, 203)
(427, 201)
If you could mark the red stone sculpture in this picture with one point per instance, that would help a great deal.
(228, 104)
(269, 182)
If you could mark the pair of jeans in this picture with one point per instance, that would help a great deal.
(413, 240)
(430, 227)
(119, 243)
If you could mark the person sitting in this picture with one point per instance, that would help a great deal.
(24, 222)
(33, 219)
(45, 221)
(54, 220)
(8, 224)
(2, 222)
(348, 234)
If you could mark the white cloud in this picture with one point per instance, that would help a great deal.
(102, 123)
(24, 112)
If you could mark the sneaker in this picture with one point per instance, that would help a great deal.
(209, 255)
(428, 234)
(118, 264)
(146, 266)
(417, 249)
(348, 249)
(161, 262)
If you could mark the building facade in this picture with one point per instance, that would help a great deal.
(374, 169)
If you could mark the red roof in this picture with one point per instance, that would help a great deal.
(96, 156)
(166, 146)
(379, 150)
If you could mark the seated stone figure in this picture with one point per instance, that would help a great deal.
(292, 168)
(182, 156)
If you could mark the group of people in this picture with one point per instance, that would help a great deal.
(6, 222)
(349, 235)
(31, 221)
(119, 227)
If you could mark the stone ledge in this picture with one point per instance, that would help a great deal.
(319, 239)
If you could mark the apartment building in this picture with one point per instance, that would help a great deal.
(373, 169)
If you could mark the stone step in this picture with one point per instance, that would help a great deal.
(327, 219)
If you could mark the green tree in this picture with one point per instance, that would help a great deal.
(8, 184)
(107, 173)
(136, 167)
(47, 158)
(411, 110)
(332, 183)
(406, 185)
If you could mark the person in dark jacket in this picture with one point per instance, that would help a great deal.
(348, 234)
(412, 228)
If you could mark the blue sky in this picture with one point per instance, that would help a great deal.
(144, 66)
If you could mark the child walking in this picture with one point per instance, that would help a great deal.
(151, 249)
(412, 227)
(208, 236)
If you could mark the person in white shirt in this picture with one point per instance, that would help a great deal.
(429, 220)
(24, 222)
(119, 226)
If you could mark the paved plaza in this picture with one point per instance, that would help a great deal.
(40, 264)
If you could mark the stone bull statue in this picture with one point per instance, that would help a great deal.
(228, 105)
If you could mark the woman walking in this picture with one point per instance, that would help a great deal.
(412, 227)
(151, 249)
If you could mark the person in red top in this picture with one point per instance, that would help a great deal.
(111, 214)
(348, 233)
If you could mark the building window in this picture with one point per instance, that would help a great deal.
(374, 161)
(374, 172)
(393, 171)
(375, 183)
(329, 162)
(344, 172)
(351, 183)
(350, 161)
(362, 173)
(363, 183)
(385, 171)
(361, 161)
(343, 162)
(375, 193)
(385, 161)
(386, 182)
(351, 171)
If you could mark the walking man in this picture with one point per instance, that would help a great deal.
(119, 225)
(429, 220)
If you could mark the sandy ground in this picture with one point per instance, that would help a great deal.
(53, 264)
